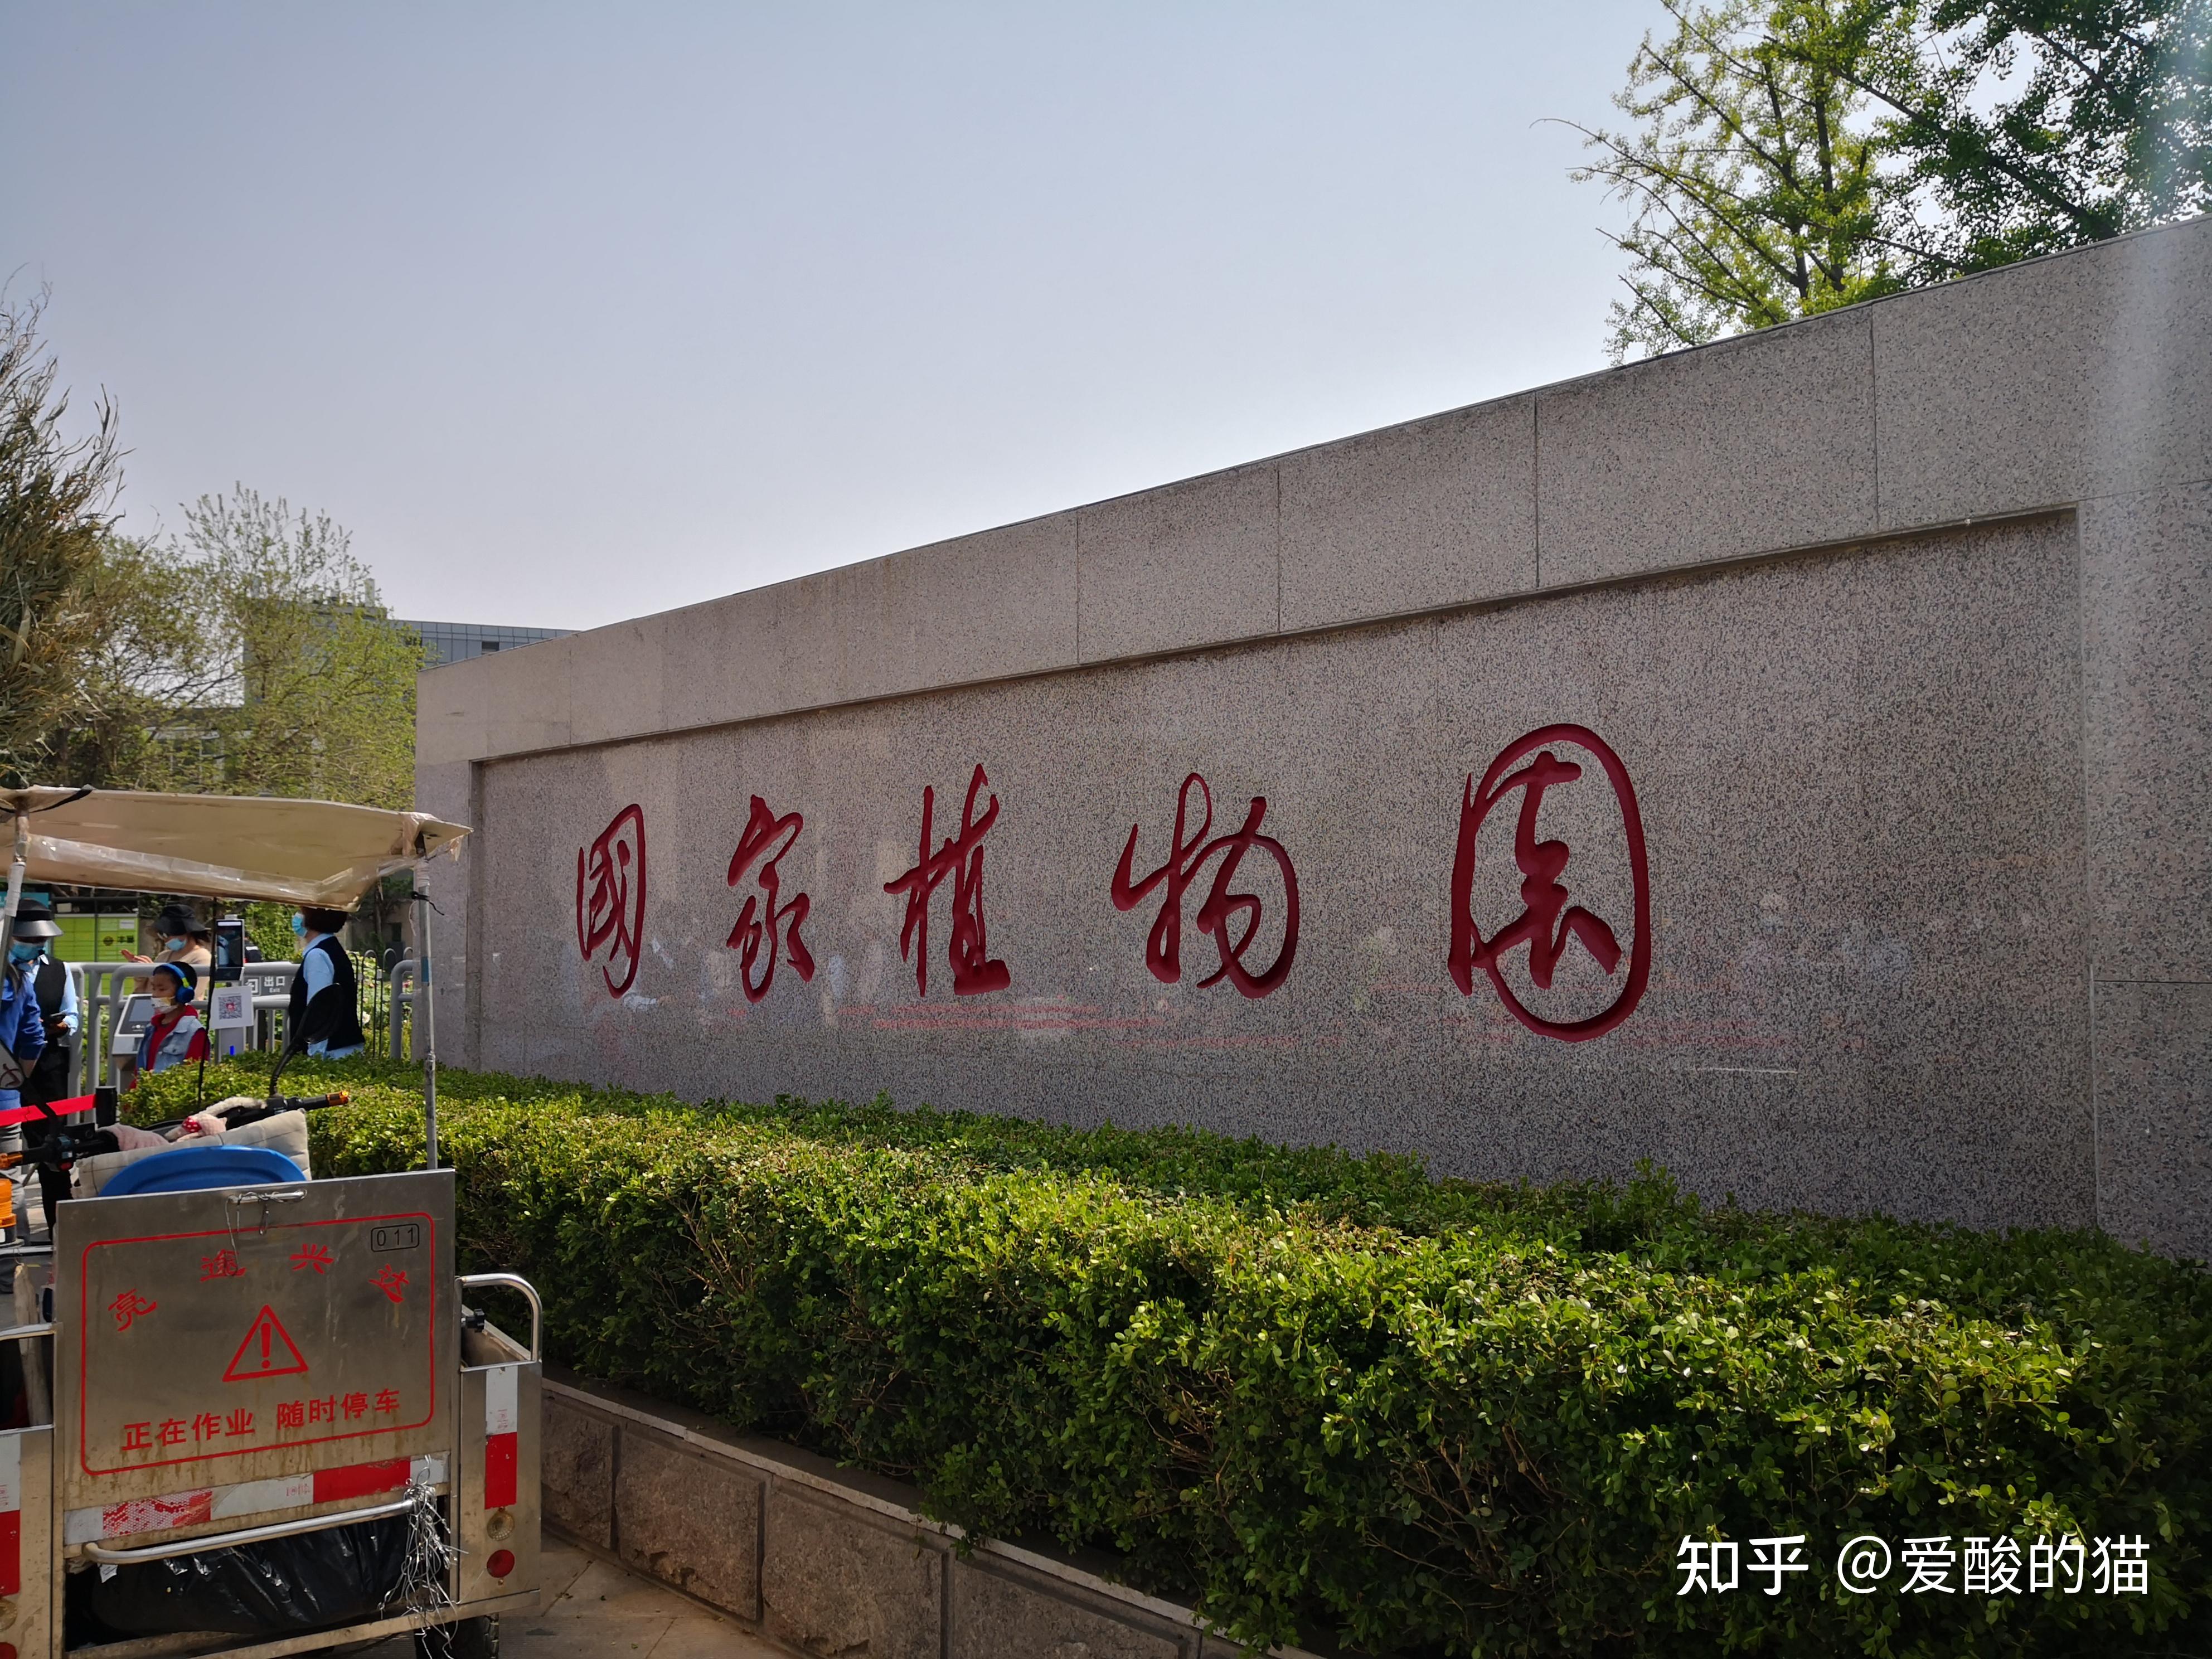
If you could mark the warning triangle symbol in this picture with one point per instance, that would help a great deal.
(268, 1351)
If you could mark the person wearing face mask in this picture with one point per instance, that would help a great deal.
(182, 937)
(31, 951)
(325, 1017)
(174, 1037)
(23, 1026)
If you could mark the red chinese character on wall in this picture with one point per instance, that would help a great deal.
(610, 898)
(1223, 909)
(1548, 920)
(767, 839)
(960, 857)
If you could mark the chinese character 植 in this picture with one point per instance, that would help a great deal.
(1223, 909)
(610, 898)
(960, 857)
(767, 839)
(1548, 920)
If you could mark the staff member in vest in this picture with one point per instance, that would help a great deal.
(174, 1037)
(32, 952)
(324, 1019)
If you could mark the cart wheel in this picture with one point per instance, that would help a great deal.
(465, 1638)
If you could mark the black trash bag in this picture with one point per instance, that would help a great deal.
(346, 1576)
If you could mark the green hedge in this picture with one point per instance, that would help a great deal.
(1325, 1394)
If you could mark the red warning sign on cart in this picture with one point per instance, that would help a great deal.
(204, 1348)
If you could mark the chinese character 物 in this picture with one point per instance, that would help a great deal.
(960, 857)
(1547, 921)
(1163, 946)
(767, 838)
(610, 898)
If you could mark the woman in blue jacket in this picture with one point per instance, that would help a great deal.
(23, 1026)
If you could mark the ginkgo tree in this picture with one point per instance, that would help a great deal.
(1788, 157)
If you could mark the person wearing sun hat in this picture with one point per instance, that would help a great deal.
(30, 950)
(174, 1037)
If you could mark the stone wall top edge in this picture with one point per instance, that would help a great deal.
(430, 756)
(876, 605)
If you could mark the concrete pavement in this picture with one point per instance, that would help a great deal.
(595, 1611)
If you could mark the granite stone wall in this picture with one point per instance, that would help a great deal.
(1785, 761)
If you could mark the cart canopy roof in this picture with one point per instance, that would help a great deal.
(238, 847)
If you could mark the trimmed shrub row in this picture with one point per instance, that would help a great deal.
(1316, 1394)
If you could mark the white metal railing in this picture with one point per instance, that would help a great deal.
(103, 987)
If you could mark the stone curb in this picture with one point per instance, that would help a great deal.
(824, 1561)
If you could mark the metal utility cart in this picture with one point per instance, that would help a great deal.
(268, 1382)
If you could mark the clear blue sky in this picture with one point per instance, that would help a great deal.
(570, 314)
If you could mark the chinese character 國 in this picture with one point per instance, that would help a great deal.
(767, 838)
(1223, 909)
(610, 898)
(960, 857)
(1547, 921)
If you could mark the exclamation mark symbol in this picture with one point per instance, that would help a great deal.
(264, 1344)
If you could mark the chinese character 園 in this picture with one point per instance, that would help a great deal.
(1548, 920)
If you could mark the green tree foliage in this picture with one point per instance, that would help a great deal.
(54, 497)
(2028, 126)
(1751, 177)
(320, 684)
(1794, 155)
(251, 655)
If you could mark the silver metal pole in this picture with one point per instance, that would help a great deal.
(11, 1137)
(425, 1008)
